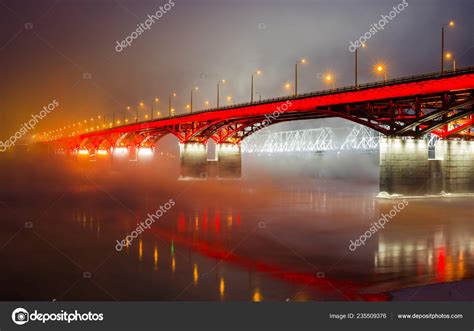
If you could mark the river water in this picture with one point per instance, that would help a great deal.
(280, 233)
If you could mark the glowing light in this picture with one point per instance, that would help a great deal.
(157, 100)
(142, 104)
(102, 152)
(257, 296)
(155, 257)
(222, 287)
(449, 55)
(145, 151)
(120, 151)
(451, 23)
(195, 274)
(287, 86)
(83, 152)
(140, 250)
(173, 264)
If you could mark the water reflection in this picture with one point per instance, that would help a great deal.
(210, 245)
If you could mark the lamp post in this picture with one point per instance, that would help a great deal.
(141, 105)
(356, 84)
(380, 69)
(191, 104)
(296, 74)
(329, 78)
(449, 56)
(169, 103)
(218, 91)
(258, 72)
(156, 100)
(451, 25)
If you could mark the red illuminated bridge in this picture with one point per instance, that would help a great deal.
(403, 108)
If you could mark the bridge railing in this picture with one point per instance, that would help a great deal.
(409, 79)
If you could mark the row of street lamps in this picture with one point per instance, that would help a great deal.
(328, 78)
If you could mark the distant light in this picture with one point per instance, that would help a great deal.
(157, 100)
(83, 152)
(145, 151)
(451, 23)
(142, 104)
(120, 151)
(102, 152)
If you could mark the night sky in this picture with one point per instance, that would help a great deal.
(65, 50)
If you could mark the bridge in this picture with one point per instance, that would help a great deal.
(404, 110)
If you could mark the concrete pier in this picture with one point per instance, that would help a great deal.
(404, 166)
(193, 161)
(457, 159)
(406, 169)
(229, 161)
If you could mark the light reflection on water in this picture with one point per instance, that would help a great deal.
(254, 239)
(405, 253)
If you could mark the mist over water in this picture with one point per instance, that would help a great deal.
(281, 232)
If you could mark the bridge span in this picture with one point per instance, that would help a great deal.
(404, 110)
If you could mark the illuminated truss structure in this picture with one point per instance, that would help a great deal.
(311, 140)
(361, 138)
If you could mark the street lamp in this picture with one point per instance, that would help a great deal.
(357, 65)
(156, 100)
(296, 74)
(142, 105)
(218, 90)
(380, 69)
(329, 78)
(191, 104)
(451, 25)
(258, 72)
(287, 86)
(449, 56)
(229, 99)
(170, 110)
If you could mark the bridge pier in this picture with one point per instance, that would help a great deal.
(404, 166)
(229, 161)
(457, 165)
(406, 169)
(193, 160)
